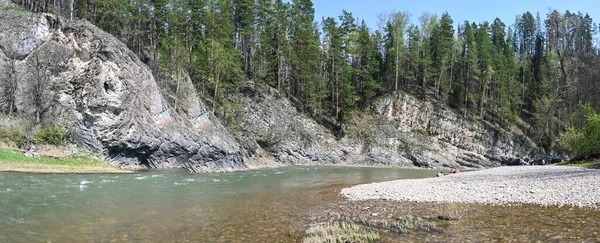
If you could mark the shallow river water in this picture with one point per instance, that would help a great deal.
(174, 206)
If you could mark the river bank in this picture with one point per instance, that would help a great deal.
(467, 222)
(14, 161)
(541, 185)
(488, 204)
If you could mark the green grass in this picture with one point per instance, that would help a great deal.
(9, 156)
(402, 225)
(582, 164)
(339, 232)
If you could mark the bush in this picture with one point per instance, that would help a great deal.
(52, 134)
(586, 142)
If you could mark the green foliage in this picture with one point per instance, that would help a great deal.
(585, 142)
(421, 131)
(15, 134)
(7, 155)
(583, 164)
(234, 115)
(570, 140)
(52, 134)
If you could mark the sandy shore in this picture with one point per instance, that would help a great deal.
(543, 185)
(57, 169)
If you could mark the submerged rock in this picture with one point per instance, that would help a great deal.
(109, 99)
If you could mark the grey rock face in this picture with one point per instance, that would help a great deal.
(437, 136)
(110, 98)
(404, 131)
(5, 3)
(272, 129)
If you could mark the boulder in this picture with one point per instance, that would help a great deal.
(514, 162)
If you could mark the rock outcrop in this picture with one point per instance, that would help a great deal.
(95, 84)
(273, 132)
(403, 131)
(434, 135)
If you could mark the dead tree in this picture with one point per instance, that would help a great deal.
(9, 77)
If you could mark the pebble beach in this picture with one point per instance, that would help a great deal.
(541, 185)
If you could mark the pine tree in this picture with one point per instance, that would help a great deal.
(305, 49)
(470, 63)
(414, 57)
(442, 47)
(244, 25)
(265, 58)
(366, 65)
(486, 71)
(428, 73)
(224, 72)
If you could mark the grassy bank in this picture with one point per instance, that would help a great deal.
(588, 164)
(11, 161)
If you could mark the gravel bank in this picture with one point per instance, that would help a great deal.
(543, 185)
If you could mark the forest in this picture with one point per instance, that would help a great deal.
(543, 69)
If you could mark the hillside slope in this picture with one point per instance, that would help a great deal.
(92, 83)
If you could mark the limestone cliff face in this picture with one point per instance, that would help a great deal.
(94, 83)
(403, 131)
(274, 133)
(435, 135)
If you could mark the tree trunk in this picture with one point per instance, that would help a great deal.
(397, 65)
(71, 4)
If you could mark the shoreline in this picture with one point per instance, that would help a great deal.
(30, 168)
(53, 162)
(538, 185)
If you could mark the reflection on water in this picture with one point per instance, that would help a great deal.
(168, 206)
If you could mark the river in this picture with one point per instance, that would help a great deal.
(174, 206)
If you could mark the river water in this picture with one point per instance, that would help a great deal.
(174, 206)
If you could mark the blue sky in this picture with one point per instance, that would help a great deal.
(460, 10)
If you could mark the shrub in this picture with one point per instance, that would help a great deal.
(586, 142)
(421, 131)
(16, 136)
(52, 134)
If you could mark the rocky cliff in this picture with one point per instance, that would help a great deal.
(401, 131)
(92, 82)
(432, 135)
